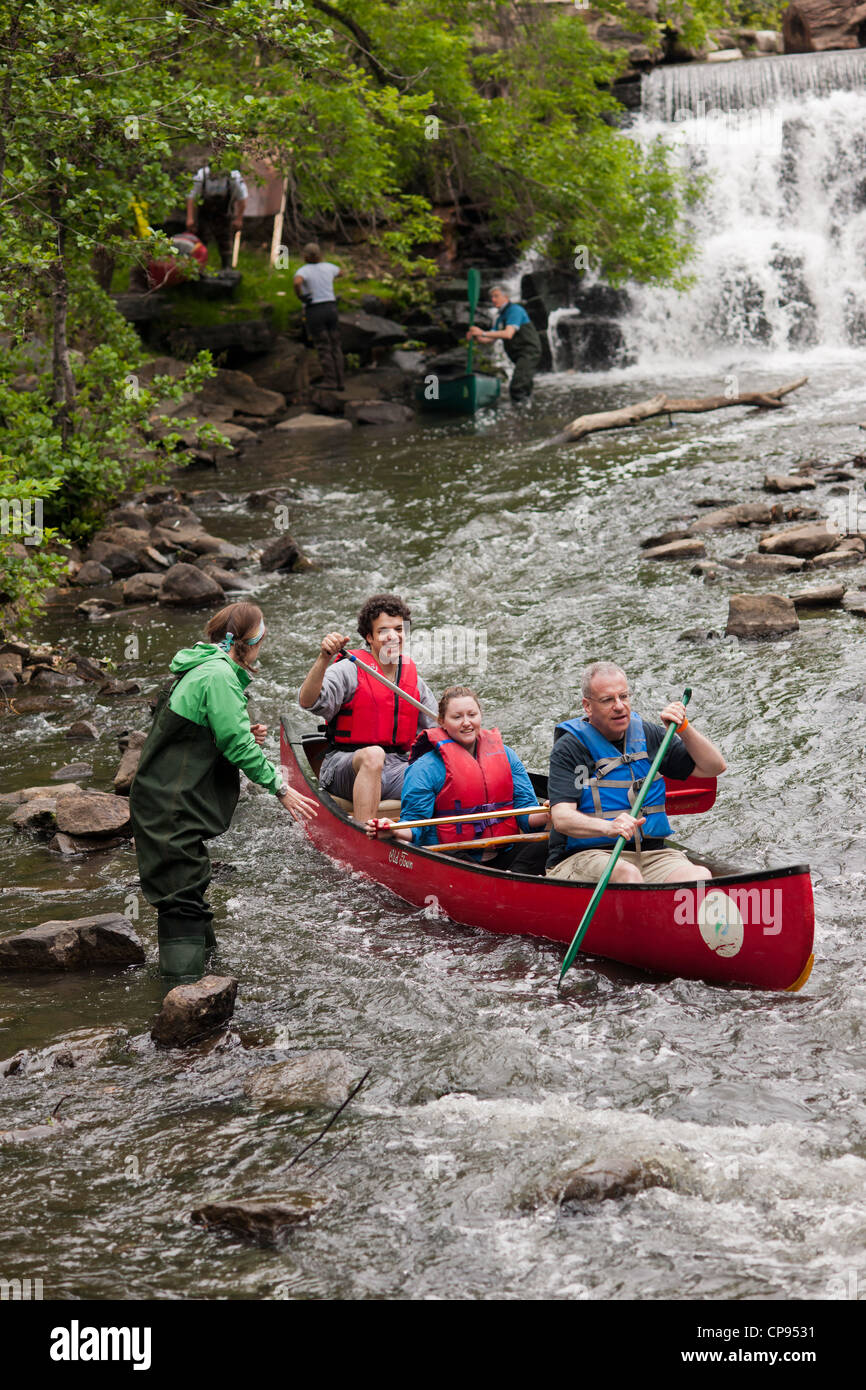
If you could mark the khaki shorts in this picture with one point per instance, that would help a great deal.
(656, 865)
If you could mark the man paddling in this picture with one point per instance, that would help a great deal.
(596, 767)
(519, 338)
(370, 729)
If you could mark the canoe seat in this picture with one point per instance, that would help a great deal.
(391, 809)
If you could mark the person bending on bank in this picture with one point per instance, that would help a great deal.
(370, 729)
(597, 765)
(187, 784)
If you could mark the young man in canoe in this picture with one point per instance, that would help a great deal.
(370, 729)
(596, 766)
(458, 768)
(520, 339)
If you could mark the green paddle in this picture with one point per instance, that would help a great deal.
(619, 846)
(473, 281)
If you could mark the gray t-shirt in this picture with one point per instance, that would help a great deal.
(318, 278)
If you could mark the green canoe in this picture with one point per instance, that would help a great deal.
(460, 395)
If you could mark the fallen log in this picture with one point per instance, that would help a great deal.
(670, 405)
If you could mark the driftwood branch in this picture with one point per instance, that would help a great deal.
(669, 405)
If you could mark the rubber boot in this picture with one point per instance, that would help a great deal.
(182, 958)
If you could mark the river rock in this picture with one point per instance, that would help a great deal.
(840, 558)
(301, 1083)
(855, 603)
(299, 423)
(129, 762)
(142, 588)
(81, 1048)
(96, 608)
(825, 596)
(90, 813)
(262, 1218)
(72, 771)
(688, 549)
(378, 413)
(761, 615)
(803, 541)
(184, 585)
(360, 333)
(29, 793)
(82, 728)
(135, 518)
(664, 538)
(283, 369)
(93, 573)
(240, 394)
(608, 1181)
(13, 647)
(282, 554)
(117, 559)
(11, 661)
(47, 678)
(33, 1133)
(107, 939)
(756, 563)
(190, 1012)
(811, 26)
(120, 687)
(785, 482)
(8, 679)
(70, 846)
(229, 580)
(741, 514)
(36, 815)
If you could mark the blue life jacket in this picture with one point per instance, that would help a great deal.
(606, 795)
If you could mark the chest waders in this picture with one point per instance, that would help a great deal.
(524, 350)
(184, 792)
(214, 221)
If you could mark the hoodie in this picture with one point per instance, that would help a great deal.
(212, 692)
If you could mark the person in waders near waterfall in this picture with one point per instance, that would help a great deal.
(188, 781)
(519, 338)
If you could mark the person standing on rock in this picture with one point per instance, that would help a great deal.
(187, 784)
(370, 729)
(215, 208)
(518, 336)
(314, 286)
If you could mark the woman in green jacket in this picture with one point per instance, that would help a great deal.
(188, 781)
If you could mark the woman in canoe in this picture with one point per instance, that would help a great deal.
(188, 780)
(457, 768)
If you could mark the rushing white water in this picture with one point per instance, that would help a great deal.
(780, 236)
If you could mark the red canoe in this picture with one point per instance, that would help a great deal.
(747, 929)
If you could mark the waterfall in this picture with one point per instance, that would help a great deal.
(780, 237)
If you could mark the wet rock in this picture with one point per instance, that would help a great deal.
(87, 668)
(260, 1219)
(135, 518)
(741, 514)
(269, 497)
(33, 1133)
(706, 569)
(90, 813)
(73, 846)
(756, 563)
(46, 678)
(72, 771)
(321, 423)
(142, 588)
(761, 615)
(665, 538)
(80, 1048)
(313, 1079)
(120, 687)
(192, 1011)
(283, 369)
(688, 549)
(208, 497)
(30, 793)
(11, 661)
(803, 541)
(824, 596)
(107, 939)
(229, 580)
(360, 333)
(785, 482)
(184, 585)
(378, 413)
(93, 573)
(82, 728)
(609, 1181)
(840, 558)
(8, 679)
(117, 559)
(96, 608)
(36, 816)
(282, 554)
(855, 603)
(129, 762)
(240, 394)
(16, 648)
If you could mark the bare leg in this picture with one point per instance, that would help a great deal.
(626, 873)
(691, 873)
(367, 791)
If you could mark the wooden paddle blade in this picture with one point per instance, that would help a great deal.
(690, 798)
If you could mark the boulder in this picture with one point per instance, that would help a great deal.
(283, 369)
(259, 1219)
(599, 1182)
(378, 413)
(855, 603)
(589, 344)
(11, 661)
(129, 762)
(803, 541)
(17, 798)
(740, 514)
(282, 554)
(80, 1048)
(82, 728)
(96, 608)
(756, 563)
(785, 482)
(91, 574)
(16, 648)
(47, 678)
(184, 585)
(300, 423)
(36, 816)
(761, 615)
(93, 814)
(142, 588)
(8, 679)
(689, 549)
(811, 26)
(78, 944)
(68, 845)
(239, 393)
(72, 772)
(229, 580)
(825, 596)
(190, 1012)
(360, 333)
(135, 518)
(314, 1079)
(839, 558)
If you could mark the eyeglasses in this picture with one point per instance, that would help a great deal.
(607, 700)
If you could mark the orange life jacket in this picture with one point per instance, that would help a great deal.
(480, 783)
(375, 714)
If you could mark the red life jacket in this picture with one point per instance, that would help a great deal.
(374, 714)
(480, 783)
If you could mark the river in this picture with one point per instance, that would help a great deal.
(486, 1086)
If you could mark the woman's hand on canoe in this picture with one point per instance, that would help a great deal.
(299, 807)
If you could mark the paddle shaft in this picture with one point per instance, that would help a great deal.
(473, 289)
(619, 846)
(383, 680)
(461, 845)
(472, 816)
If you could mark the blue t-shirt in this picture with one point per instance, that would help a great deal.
(425, 779)
(512, 316)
